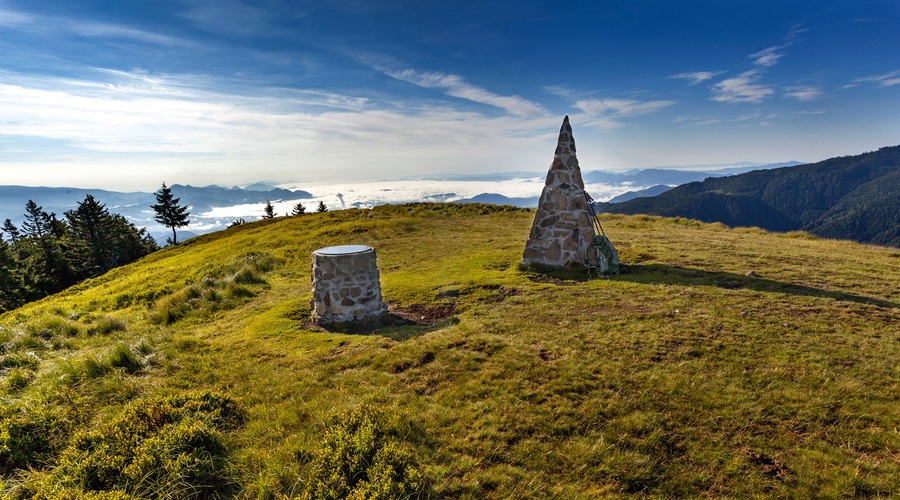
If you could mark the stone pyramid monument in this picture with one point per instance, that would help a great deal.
(562, 231)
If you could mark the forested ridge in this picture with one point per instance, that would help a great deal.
(849, 197)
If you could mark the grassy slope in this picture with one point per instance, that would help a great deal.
(681, 376)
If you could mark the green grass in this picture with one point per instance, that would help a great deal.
(683, 376)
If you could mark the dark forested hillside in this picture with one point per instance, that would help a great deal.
(850, 197)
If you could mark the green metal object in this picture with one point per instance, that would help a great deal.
(601, 257)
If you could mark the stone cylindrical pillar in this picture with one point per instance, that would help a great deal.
(346, 284)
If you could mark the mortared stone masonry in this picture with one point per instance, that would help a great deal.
(346, 285)
(562, 230)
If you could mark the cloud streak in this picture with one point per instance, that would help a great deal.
(742, 88)
(885, 80)
(697, 76)
(13, 18)
(745, 87)
(607, 113)
(768, 57)
(456, 86)
(132, 120)
(57, 25)
(803, 93)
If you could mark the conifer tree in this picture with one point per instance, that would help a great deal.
(11, 285)
(168, 212)
(41, 255)
(321, 208)
(298, 209)
(268, 211)
(37, 221)
(12, 232)
(90, 233)
(100, 240)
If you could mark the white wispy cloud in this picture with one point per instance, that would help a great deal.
(232, 17)
(768, 57)
(697, 120)
(746, 117)
(795, 32)
(697, 77)
(94, 29)
(71, 25)
(885, 80)
(620, 107)
(745, 87)
(803, 93)
(456, 86)
(171, 127)
(607, 113)
(13, 18)
(742, 88)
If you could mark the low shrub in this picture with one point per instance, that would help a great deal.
(221, 288)
(29, 342)
(106, 325)
(17, 379)
(176, 306)
(19, 360)
(236, 291)
(248, 275)
(123, 357)
(49, 327)
(94, 367)
(173, 446)
(362, 455)
(31, 433)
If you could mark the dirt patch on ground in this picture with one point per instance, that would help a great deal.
(769, 466)
(415, 315)
(420, 314)
(556, 281)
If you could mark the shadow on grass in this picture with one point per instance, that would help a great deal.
(673, 275)
(399, 323)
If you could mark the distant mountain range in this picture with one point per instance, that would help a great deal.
(213, 207)
(849, 197)
(659, 180)
(671, 177)
(650, 191)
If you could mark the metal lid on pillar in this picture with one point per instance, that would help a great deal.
(343, 250)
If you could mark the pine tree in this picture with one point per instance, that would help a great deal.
(298, 209)
(37, 221)
(100, 240)
(321, 208)
(91, 238)
(11, 284)
(41, 254)
(268, 211)
(12, 232)
(168, 212)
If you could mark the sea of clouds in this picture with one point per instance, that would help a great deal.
(337, 196)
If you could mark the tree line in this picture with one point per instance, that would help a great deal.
(269, 212)
(296, 210)
(48, 254)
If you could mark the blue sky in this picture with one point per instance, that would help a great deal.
(127, 94)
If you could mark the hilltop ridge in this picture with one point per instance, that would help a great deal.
(721, 362)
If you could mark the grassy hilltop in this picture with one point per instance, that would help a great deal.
(196, 371)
